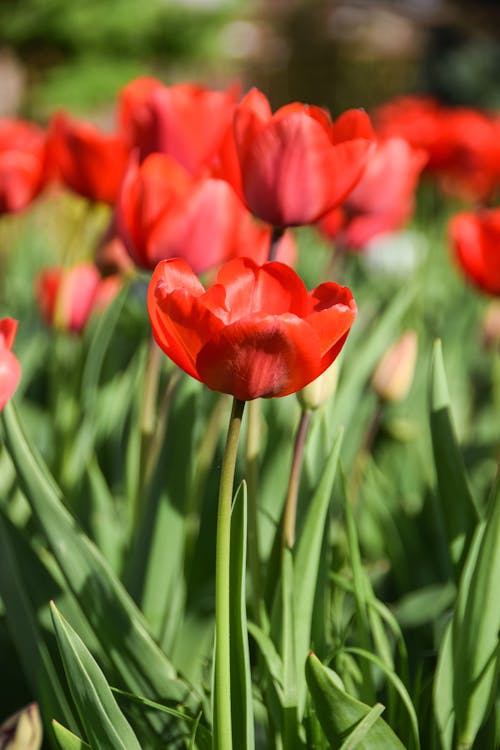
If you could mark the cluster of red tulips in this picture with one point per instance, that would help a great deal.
(200, 180)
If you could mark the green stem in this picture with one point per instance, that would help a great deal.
(252, 472)
(276, 236)
(290, 512)
(222, 698)
(147, 422)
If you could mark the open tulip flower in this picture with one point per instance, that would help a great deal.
(10, 369)
(23, 164)
(257, 332)
(475, 239)
(186, 121)
(297, 164)
(88, 161)
(163, 212)
(67, 297)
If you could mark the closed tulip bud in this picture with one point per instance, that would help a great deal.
(491, 325)
(393, 375)
(23, 730)
(320, 390)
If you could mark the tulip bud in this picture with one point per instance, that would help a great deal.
(491, 325)
(393, 375)
(23, 730)
(317, 393)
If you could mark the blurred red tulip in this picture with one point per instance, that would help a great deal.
(383, 199)
(296, 165)
(89, 162)
(462, 143)
(163, 212)
(186, 121)
(10, 369)
(257, 332)
(67, 297)
(23, 164)
(475, 239)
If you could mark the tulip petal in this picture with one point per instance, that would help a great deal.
(333, 313)
(181, 322)
(261, 356)
(289, 171)
(10, 374)
(273, 288)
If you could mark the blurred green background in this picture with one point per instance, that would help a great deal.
(56, 53)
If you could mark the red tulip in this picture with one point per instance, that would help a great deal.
(187, 121)
(67, 297)
(257, 332)
(23, 164)
(163, 212)
(89, 162)
(475, 239)
(10, 369)
(383, 199)
(296, 165)
(462, 143)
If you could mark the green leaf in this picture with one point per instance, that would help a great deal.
(362, 729)
(475, 628)
(17, 562)
(66, 739)
(443, 692)
(457, 505)
(307, 562)
(104, 723)
(204, 738)
(241, 683)
(340, 714)
(115, 619)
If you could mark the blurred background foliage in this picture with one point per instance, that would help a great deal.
(54, 53)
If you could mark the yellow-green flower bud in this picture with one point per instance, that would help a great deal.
(23, 730)
(393, 375)
(320, 390)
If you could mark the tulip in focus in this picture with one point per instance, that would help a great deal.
(10, 369)
(296, 164)
(23, 730)
(393, 375)
(475, 240)
(257, 332)
(87, 161)
(163, 212)
(383, 199)
(67, 297)
(186, 121)
(23, 164)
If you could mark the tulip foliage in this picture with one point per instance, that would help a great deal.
(249, 429)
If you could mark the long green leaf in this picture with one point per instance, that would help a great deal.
(104, 723)
(241, 683)
(116, 621)
(306, 565)
(476, 624)
(21, 615)
(456, 504)
(339, 714)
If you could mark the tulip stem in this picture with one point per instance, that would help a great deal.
(290, 512)
(222, 699)
(252, 472)
(276, 236)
